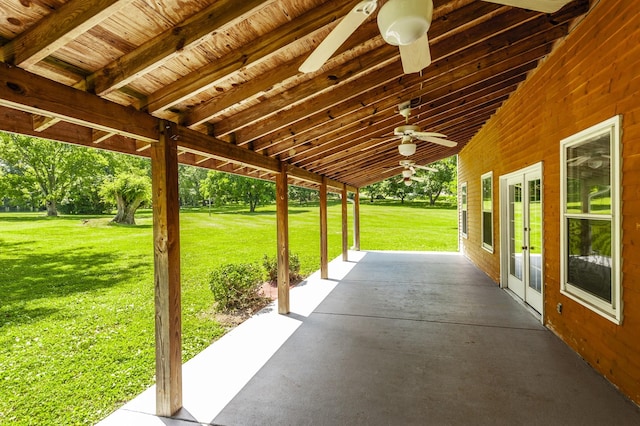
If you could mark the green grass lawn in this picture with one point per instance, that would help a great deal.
(76, 294)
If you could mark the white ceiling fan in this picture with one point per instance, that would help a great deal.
(593, 161)
(402, 23)
(408, 174)
(410, 132)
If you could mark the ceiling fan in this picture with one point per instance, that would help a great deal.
(402, 23)
(408, 174)
(410, 132)
(594, 161)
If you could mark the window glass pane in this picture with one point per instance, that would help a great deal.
(487, 234)
(589, 256)
(464, 221)
(589, 176)
(463, 196)
(516, 230)
(486, 194)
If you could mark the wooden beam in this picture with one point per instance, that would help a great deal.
(41, 122)
(166, 254)
(100, 136)
(324, 246)
(16, 121)
(348, 71)
(57, 29)
(22, 90)
(199, 143)
(356, 220)
(282, 224)
(258, 50)
(345, 226)
(169, 44)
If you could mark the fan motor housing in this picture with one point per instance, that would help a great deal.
(401, 22)
(407, 129)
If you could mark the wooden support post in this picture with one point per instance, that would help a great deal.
(324, 246)
(166, 255)
(345, 225)
(356, 221)
(282, 212)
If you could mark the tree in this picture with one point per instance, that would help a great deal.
(373, 190)
(189, 181)
(222, 188)
(395, 187)
(302, 195)
(214, 187)
(130, 191)
(436, 182)
(39, 171)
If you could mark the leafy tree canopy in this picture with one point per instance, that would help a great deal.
(38, 171)
(222, 188)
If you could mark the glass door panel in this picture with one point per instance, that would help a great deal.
(515, 231)
(516, 234)
(533, 230)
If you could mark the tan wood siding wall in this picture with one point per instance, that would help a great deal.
(591, 76)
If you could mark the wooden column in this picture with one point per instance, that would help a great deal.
(356, 220)
(345, 225)
(324, 246)
(166, 256)
(282, 212)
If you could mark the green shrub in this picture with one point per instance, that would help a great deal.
(270, 265)
(237, 287)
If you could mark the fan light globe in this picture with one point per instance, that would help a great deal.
(407, 173)
(407, 182)
(401, 22)
(407, 149)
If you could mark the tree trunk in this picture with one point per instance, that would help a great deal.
(126, 212)
(52, 209)
(434, 197)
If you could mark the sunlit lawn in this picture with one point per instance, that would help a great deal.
(76, 294)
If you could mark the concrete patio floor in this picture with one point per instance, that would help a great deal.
(391, 339)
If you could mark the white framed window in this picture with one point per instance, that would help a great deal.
(463, 209)
(486, 184)
(590, 218)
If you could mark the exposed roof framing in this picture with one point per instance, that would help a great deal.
(107, 73)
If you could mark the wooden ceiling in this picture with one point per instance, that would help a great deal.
(228, 69)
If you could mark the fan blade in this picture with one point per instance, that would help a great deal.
(421, 135)
(339, 35)
(546, 6)
(430, 169)
(439, 141)
(412, 169)
(577, 160)
(417, 179)
(415, 56)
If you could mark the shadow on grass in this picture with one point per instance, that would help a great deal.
(26, 276)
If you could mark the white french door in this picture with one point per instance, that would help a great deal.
(522, 234)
